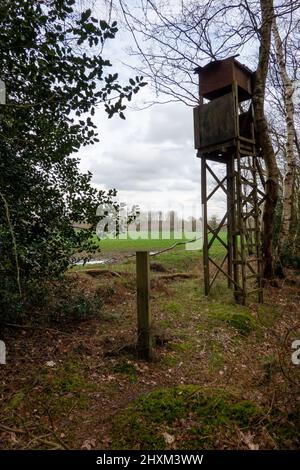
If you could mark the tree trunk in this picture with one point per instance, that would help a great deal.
(263, 138)
(290, 164)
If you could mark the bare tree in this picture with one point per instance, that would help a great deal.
(213, 222)
(263, 135)
(290, 156)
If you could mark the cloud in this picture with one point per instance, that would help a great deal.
(149, 157)
(171, 123)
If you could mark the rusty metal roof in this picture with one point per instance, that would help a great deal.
(200, 68)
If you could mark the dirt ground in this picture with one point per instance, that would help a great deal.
(81, 386)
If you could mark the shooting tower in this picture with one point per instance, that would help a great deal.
(224, 133)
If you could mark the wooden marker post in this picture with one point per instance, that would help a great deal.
(144, 344)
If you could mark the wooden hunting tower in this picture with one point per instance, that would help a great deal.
(224, 132)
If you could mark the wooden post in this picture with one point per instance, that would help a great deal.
(144, 344)
(230, 217)
(204, 222)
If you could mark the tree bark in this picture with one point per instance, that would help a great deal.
(264, 139)
(290, 164)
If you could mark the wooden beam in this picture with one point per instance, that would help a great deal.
(144, 344)
(204, 221)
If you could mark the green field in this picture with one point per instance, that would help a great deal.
(178, 257)
(155, 243)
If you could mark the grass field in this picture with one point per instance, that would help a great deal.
(157, 243)
(137, 241)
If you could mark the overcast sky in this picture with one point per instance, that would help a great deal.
(150, 156)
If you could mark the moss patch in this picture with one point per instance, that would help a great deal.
(55, 389)
(193, 415)
(235, 316)
(183, 346)
(268, 314)
(287, 431)
(173, 306)
(170, 360)
(216, 360)
(128, 369)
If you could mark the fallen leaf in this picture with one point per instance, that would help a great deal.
(13, 438)
(248, 440)
(110, 378)
(88, 444)
(168, 438)
(50, 363)
(106, 440)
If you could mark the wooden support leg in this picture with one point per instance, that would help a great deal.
(230, 219)
(204, 222)
(144, 344)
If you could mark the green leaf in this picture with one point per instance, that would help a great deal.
(85, 15)
(103, 25)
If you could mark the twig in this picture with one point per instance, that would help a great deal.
(97, 272)
(12, 430)
(54, 445)
(52, 330)
(179, 275)
(174, 246)
(59, 440)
